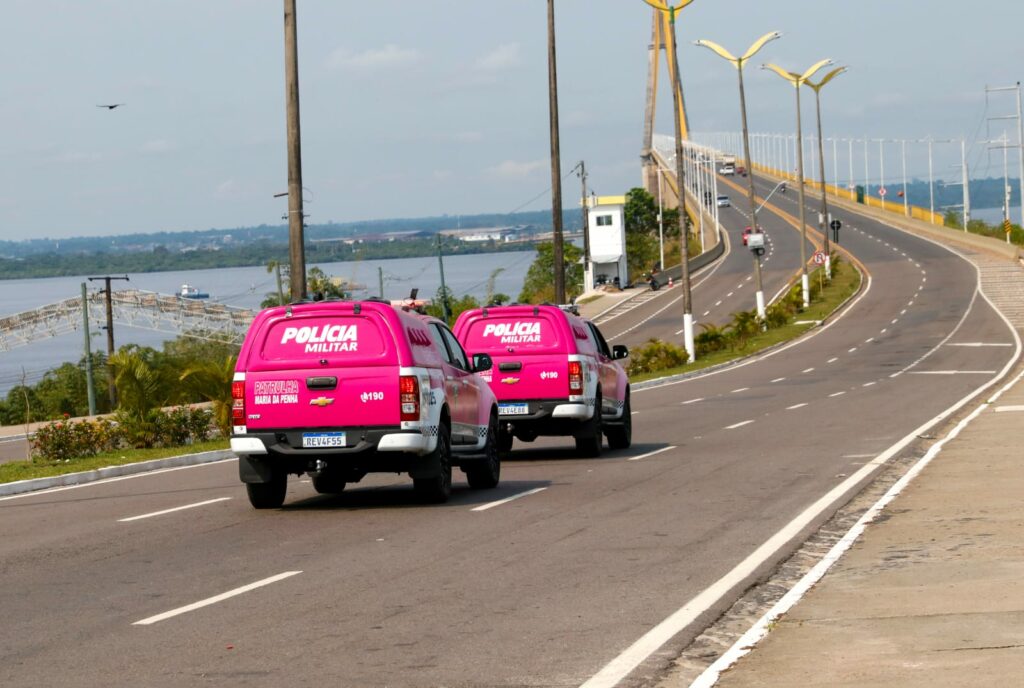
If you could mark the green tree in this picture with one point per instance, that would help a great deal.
(211, 381)
(641, 212)
(141, 392)
(539, 285)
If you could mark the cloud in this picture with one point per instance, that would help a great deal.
(513, 169)
(502, 57)
(158, 146)
(369, 60)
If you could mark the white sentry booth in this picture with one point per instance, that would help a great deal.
(606, 222)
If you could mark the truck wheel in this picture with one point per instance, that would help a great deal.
(486, 473)
(437, 489)
(621, 436)
(589, 445)
(328, 484)
(504, 442)
(269, 495)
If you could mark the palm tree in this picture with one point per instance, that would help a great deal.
(140, 393)
(211, 380)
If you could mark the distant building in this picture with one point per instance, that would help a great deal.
(607, 228)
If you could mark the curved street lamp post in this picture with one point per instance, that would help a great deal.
(823, 219)
(672, 10)
(738, 63)
(797, 80)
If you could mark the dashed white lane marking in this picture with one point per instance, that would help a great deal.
(833, 359)
(903, 312)
(867, 384)
(169, 511)
(795, 406)
(633, 413)
(837, 394)
(704, 314)
(852, 350)
(729, 294)
(1005, 409)
(649, 454)
(977, 344)
(738, 425)
(809, 370)
(884, 330)
(869, 340)
(778, 379)
(491, 505)
(693, 401)
(894, 321)
(859, 456)
(718, 303)
(741, 389)
(952, 372)
(215, 599)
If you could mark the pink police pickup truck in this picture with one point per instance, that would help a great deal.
(553, 374)
(339, 389)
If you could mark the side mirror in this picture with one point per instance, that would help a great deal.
(620, 351)
(482, 362)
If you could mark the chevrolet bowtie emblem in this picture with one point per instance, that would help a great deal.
(509, 380)
(321, 401)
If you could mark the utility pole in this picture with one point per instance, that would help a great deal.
(966, 182)
(380, 280)
(296, 217)
(556, 162)
(110, 335)
(1020, 134)
(89, 385)
(588, 277)
(444, 290)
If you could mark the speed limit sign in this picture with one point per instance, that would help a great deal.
(819, 258)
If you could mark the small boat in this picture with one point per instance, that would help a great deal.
(190, 292)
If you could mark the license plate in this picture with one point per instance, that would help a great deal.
(315, 440)
(513, 409)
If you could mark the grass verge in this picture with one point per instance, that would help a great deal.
(845, 282)
(28, 470)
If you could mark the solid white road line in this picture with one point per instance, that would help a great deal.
(169, 511)
(1004, 409)
(214, 600)
(837, 394)
(738, 425)
(977, 344)
(952, 372)
(649, 454)
(795, 406)
(693, 401)
(491, 505)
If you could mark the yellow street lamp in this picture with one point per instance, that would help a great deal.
(738, 63)
(677, 92)
(797, 80)
(823, 217)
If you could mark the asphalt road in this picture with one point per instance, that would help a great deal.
(370, 588)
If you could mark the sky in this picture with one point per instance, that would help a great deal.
(413, 109)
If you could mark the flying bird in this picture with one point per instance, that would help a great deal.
(110, 107)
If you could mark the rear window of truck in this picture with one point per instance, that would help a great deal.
(339, 337)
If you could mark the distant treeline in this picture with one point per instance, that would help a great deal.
(160, 259)
(230, 238)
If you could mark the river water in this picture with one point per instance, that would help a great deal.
(245, 287)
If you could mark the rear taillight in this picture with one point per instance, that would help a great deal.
(409, 397)
(238, 403)
(575, 377)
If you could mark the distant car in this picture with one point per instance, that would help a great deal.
(747, 231)
(742, 170)
(727, 170)
(723, 202)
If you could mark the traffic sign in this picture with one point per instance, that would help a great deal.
(836, 225)
(819, 258)
(882, 192)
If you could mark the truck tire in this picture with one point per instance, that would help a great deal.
(621, 436)
(268, 495)
(437, 489)
(485, 474)
(589, 444)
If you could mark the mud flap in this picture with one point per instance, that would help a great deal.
(427, 467)
(255, 469)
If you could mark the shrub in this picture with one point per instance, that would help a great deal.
(712, 339)
(64, 440)
(656, 355)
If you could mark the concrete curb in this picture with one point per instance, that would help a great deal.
(68, 479)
